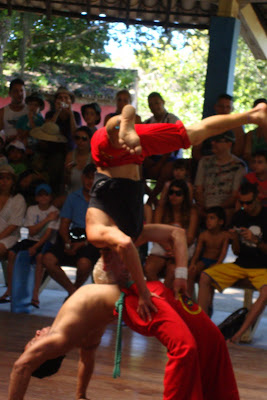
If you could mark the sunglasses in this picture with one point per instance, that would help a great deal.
(83, 138)
(247, 203)
(176, 192)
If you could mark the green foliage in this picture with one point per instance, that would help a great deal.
(60, 40)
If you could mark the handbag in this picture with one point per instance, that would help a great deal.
(233, 323)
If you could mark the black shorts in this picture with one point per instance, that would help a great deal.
(27, 243)
(122, 200)
(89, 251)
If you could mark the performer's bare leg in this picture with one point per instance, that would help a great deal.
(126, 136)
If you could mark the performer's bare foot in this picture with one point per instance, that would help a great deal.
(128, 137)
(234, 339)
(258, 115)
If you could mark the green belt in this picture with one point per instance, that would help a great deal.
(119, 308)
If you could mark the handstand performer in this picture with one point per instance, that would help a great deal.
(115, 214)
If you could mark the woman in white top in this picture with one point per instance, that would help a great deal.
(78, 158)
(12, 210)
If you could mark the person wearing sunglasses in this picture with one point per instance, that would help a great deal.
(176, 210)
(249, 243)
(78, 158)
(219, 176)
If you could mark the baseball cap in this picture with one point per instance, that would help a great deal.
(17, 144)
(43, 186)
(7, 169)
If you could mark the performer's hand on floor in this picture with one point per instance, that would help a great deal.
(146, 306)
(179, 286)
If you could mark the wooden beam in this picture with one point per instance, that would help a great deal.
(228, 8)
(253, 32)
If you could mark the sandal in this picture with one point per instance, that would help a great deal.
(35, 303)
(5, 299)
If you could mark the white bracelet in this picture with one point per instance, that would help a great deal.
(181, 273)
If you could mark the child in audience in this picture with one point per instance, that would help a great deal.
(42, 221)
(16, 156)
(29, 121)
(180, 171)
(259, 174)
(211, 247)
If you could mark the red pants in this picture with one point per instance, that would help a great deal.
(199, 366)
(155, 139)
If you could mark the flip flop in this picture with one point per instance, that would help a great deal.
(35, 303)
(5, 299)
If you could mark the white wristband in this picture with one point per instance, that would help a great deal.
(181, 273)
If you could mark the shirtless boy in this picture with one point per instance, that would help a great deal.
(115, 214)
(211, 246)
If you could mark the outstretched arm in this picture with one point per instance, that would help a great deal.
(174, 238)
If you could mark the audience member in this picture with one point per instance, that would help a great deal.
(259, 174)
(212, 245)
(3, 159)
(255, 139)
(223, 105)
(159, 167)
(10, 114)
(42, 222)
(49, 157)
(27, 182)
(78, 158)
(179, 211)
(92, 115)
(180, 171)
(249, 243)
(219, 176)
(29, 121)
(71, 247)
(12, 210)
(16, 156)
(123, 97)
(63, 115)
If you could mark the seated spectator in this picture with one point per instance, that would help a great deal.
(92, 115)
(212, 245)
(16, 156)
(219, 177)
(49, 157)
(42, 222)
(78, 158)
(249, 243)
(159, 167)
(71, 247)
(63, 115)
(255, 139)
(123, 97)
(179, 211)
(156, 104)
(29, 121)
(3, 159)
(259, 174)
(12, 210)
(10, 114)
(180, 171)
(27, 183)
(223, 105)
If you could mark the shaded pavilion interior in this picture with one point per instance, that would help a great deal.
(225, 20)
